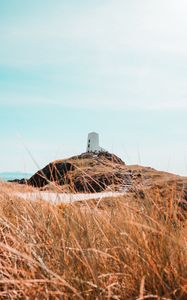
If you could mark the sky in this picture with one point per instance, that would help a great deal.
(117, 67)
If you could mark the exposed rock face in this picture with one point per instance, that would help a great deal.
(88, 172)
(52, 172)
(97, 183)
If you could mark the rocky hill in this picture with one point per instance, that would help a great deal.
(96, 172)
(88, 172)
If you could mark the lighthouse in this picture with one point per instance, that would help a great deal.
(93, 143)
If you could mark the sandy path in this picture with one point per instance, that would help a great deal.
(65, 198)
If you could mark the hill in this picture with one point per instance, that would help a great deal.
(96, 172)
(88, 172)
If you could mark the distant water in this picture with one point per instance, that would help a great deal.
(5, 176)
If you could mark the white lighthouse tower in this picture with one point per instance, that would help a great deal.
(93, 143)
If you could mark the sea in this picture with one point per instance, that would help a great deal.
(6, 176)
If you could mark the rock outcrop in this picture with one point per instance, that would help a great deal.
(88, 172)
(54, 172)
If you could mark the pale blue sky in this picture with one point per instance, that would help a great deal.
(117, 67)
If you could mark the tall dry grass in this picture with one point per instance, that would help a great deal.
(116, 249)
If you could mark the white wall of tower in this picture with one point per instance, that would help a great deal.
(93, 142)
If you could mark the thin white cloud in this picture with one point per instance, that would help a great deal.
(101, 102)
(109, 41)
(113, 27)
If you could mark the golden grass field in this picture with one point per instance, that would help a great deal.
(131, 247)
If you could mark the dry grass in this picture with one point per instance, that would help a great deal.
(118, 249)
